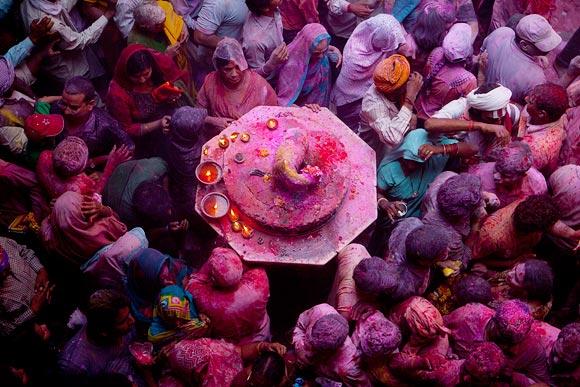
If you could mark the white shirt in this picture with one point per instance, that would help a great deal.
(261, 36)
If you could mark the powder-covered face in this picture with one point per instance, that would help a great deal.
(142, 77)
(517, 275)
(320, 50)
(166, 277)
(231, 74)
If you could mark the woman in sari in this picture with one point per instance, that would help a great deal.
(232, 90)
(157, 26)
(405, 173)
(446, 78)
(136, 100)
(372, 41)
(77, 227)
(147, 274)
(306, 77)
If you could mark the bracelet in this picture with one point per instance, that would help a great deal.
(444, 150)
(471, 126)
(379, 201)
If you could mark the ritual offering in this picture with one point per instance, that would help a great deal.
(208, 172)
(215, 205)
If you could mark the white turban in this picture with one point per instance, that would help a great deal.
(493, 100)
(149, 15)
(13, 138)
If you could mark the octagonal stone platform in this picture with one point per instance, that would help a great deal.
(292, 227)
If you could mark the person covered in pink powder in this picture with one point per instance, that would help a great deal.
(446, 77)
(564, 186)
(527, 343)
(424, 357)
(234, 298)
(468, 325)
(511, 177)
(321, 342)
(565, 356)
(542, 125)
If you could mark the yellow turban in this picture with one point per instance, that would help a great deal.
(391, 73)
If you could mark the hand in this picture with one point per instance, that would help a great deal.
(111, 9)
(173, 49)
(335, 52)
(428, 150)
(361, 10)
(39, 299)
(279, 55)
(413, 122)
(414, 85)
(41, 281)
(165, 124)
(483, 60)
(360, 310)
(42, 331)
(90, 207)
(184, 36)
(391, 208)
(40, 29)
(178, 226)
(314, 107)
(544, 62)
(273, 347)
(574, 66)
(120, 155)
(498, 130)
(219, 122)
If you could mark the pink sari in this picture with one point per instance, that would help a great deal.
(67, 233)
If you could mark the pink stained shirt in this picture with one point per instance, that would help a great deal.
(533, 183)
(297, 13)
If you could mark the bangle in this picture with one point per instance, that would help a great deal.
(444, 150)
(379, 201)
(471, 126)
(407, 99)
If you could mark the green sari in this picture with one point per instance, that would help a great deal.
(410, 189)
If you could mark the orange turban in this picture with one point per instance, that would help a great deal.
(391, 73)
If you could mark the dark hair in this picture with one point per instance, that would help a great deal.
(514, 20)
(256, 6)
(221, 62)
(538, 280)
(535, 213)
(152, 204)
(486, 88)
(472, 289)
(268, 370)
(430, 28)
(459, 196)
(569, 342)
(80, 85)
(103, 310)
(374, 276)
(552, 99)
(141, 61)
(426, 244)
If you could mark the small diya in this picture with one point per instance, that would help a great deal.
(247, 231)
(215, 205)
(233, 215)
(236, 227)
(223, 142)
(208, 172)
(272, 124)
(245, 137)
(234, 136)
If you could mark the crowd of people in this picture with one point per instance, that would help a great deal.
(469, 276)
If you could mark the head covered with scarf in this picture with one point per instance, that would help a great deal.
(328, 333)
(70, 156)
(229, 50)
(409, 148)
(14, 138)
(423, 320)
(300, 75)
(187, 125)
(459, 196)
(512, 321)
(391, 73)
(376, 336)
(225, 267)
(457, 43)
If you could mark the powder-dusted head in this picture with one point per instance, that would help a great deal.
(567, 347)
(459, 196)
(225, 267)
(70, 157)
(149, 16)
(186, 124)
(485, 363)
(513, 320)
(536, 213)
(457, 44)
(377, 336)
(427, 244)
(424, 320)
(229, 50)
(514, 160)
(472, 289)
(547, 103)
(374, 276)
(391, 73)
(329, 333)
